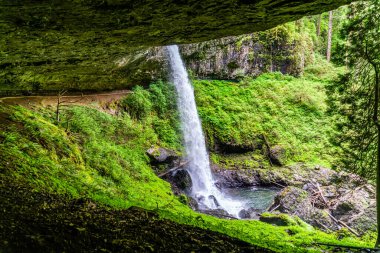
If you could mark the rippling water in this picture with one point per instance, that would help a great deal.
(260, 198)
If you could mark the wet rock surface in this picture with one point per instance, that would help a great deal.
(170, 167)
(250, 213)
(321, 197)
(235, 178)
(330, 206)
(181, 178)
(220, 213)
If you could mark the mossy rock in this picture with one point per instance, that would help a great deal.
(281, 219)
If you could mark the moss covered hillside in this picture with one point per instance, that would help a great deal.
(98, 157)
(282, 110)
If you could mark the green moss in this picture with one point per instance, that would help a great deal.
(285, 220)
(290, 112)
(102, 157)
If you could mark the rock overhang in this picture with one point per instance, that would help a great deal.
(79, 41)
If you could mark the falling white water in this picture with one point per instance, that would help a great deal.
(203, 189)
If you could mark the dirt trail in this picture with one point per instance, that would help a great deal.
(85, 99)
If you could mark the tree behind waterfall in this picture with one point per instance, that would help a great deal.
(319, 20)
(356, 95)
(329, 36)
(322, 33)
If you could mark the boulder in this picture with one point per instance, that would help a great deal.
(364, 221)
(323, 175)
(216, 203)
(180, 181)
(346, 179)
(159, 155)
(193, 203)
(292, 200)
(181, 178)
(280, 219)
(296, 201)
(275, 220)
(357, 208)
(277, 155)
(250, 213)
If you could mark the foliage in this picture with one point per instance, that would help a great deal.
(102, 157)
(156, 106)
(290, 112)
(138, 104)
(338, 41)
(323, 71)
(352, 98)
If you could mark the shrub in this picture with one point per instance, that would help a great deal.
(138, 104)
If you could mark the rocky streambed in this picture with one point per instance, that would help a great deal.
(320, 196)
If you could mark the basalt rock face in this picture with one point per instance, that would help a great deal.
(77, 44)
(228, 58)
(249, 55)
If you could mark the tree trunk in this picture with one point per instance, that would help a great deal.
(378, 187)
(329, 38)
(376, 121)
(319, 25)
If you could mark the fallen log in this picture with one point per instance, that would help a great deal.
(173, 169)
(322, 225)
(347, 246)
(323, 197)
(342, 224)
(320, 192)
(280, 185)
(273, 209)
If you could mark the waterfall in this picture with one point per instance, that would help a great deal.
(203, 189)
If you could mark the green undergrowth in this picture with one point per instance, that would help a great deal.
(102, 157)
(288, 111)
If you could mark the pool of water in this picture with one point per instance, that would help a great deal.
(259, 198)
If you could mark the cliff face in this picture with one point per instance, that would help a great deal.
(248, 55)
(48, 44)
(275, 50)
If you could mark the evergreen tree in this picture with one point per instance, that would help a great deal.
(356, 95)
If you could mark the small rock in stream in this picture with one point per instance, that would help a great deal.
(250, 213)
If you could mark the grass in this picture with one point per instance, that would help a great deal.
(289, 111)
(102, 157)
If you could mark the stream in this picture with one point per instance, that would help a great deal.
(259, 198)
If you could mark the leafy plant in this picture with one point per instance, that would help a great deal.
(138, 104)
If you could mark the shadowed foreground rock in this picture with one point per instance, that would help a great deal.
(39, 222)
